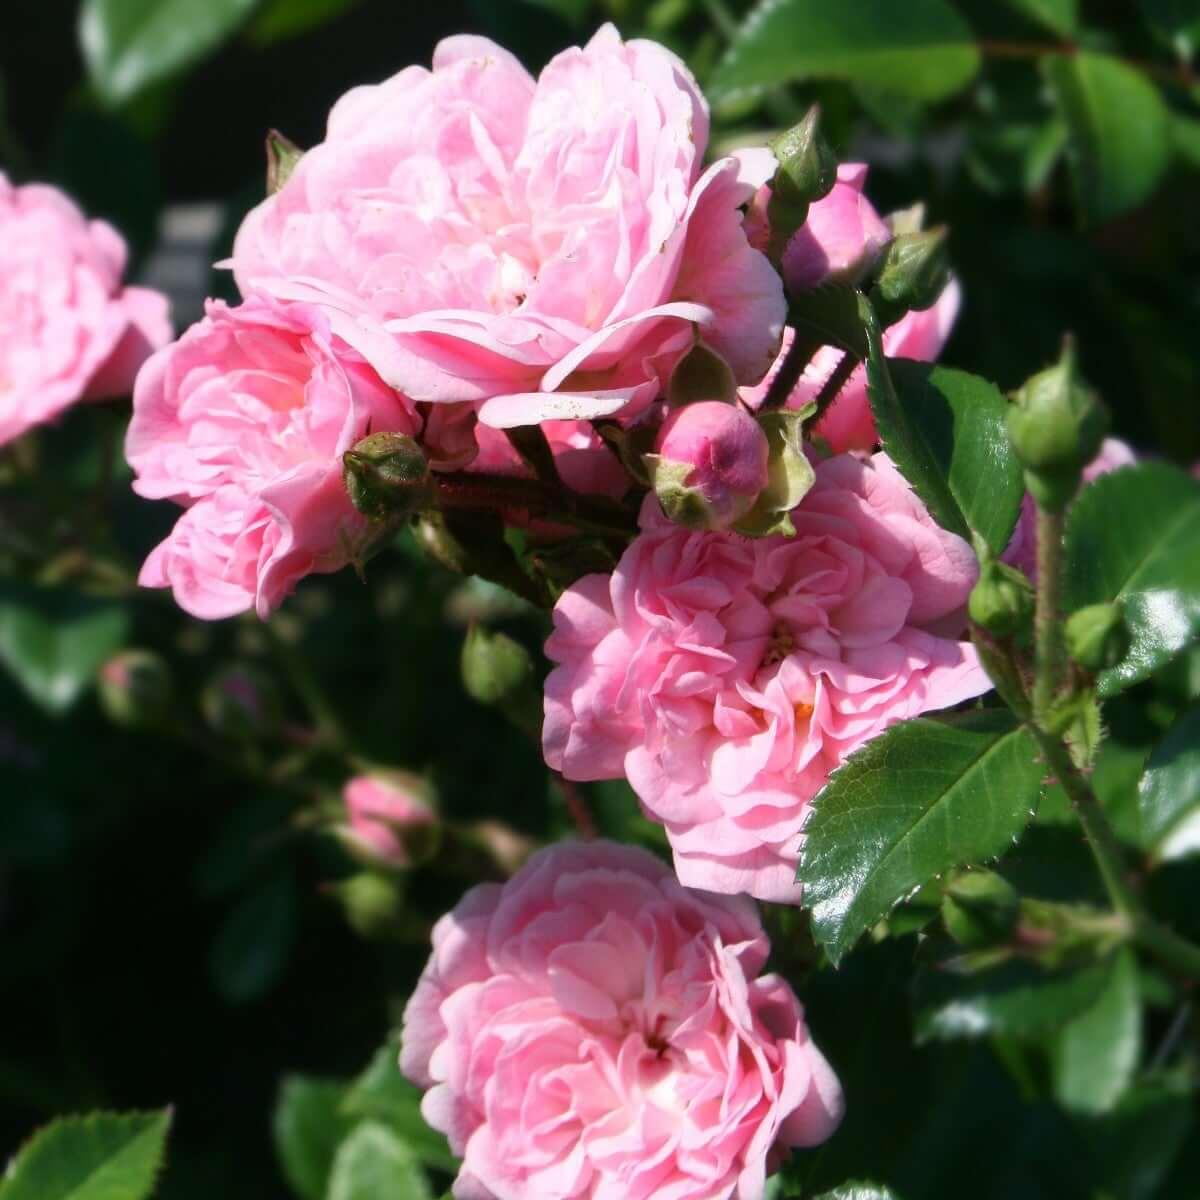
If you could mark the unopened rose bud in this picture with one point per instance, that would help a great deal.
(980, 909)
(913, 273)
(387, 477)
(390, 819)
(135, 689)
(806, 172)
(242, 702)
(373, 904)
(710, 465)
(1056, 425)
(1002, 600)
(1096, 636)
(842, 237)
(498, 671)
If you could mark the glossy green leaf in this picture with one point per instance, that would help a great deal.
(308, 1127)
(1169, 792)
(1060, 16)
(922, 48)
(128, 44)
(104, 1156)
(1119, 131)
(918, 800)
(53, 640)
(373, 1164)
(1018, 998)
(960, 418)
(382, 1094)
(1131, 536)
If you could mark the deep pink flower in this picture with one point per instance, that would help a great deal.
(388, 814)
(69, 329)
(1021, 551)
(848, 424)
(726, 677)
(244, 420)
(591, 1030)
(546, 248)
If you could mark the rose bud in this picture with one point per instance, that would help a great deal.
(710, 465)
(1002, 600)
(242, 702)
(387, 477)
(135, 689)
(1096, 636)
(390, 819)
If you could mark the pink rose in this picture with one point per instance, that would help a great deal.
(848, 423)
(726, 677)
(1021, 551)
(389, 817)
(591, 1030)
(710, 465)
(244, 421)
(545, 247)
(69, 330)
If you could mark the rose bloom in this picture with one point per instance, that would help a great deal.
(545, 248)
(69, 329)
(726, 677)
(388, 815)
(591, 1029)
(244, 421)
(1021, 551)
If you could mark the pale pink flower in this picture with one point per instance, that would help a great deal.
(1021, 551)
(69, 329)
(545, 247)
(389, 816)
(245, 420)
(726, 677)
(848, 423)
(591, 1030)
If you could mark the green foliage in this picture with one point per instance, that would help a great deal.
(1169, 792)
(918, 800)
(309, 1125)
(104, 1156)
(1131, 539)
(373, 1162)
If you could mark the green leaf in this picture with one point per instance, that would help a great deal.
(308, 1127)
(253, 945)
(1018, 998)
(1169, 791)
(1119, 132)
(921, 48)
(1060, 16)
(53, 640)
(1131, 537)
(128, 44)
(918, 800)
(282, 19)
(1176, 22)
(374, 1164)
(382, 1094)
(960, 418)
(104, 1156)
(1096, 1053)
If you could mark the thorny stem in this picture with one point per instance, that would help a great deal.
(790, 370)
(1047, 623)
(577, 807)
(832, 387)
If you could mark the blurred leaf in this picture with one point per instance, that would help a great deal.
(1170, 788)
(922, 48)
(1185, 139)
(308, 1126)
(571, 11)
(1061, 16)
(128, 44)
(103, 1156)
(1095, 1054)
(960, 419)
(374, 1164)
(1131, 537)
(1017, 998)
(278, 20)
(1176, 22)
(53, 640)
(382, 1094)
(1119, 132)
(254, 944)
(918, 800)
(1014, 156)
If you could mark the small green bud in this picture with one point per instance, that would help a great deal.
(913, 273)
(372, 903)
(1097, 637)
(1056, 424)
(702, 374)
(1002, 601)
(979, 908)
(282, 156)
(387, 477)
(135, 689)
(494, 666)
(242, 702)
(806, 172)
